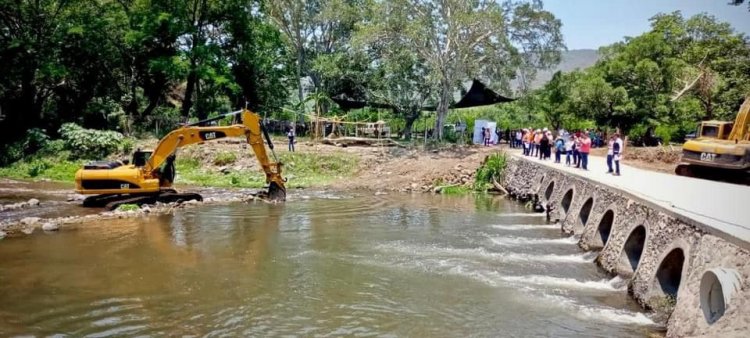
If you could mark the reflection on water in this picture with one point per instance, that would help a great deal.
(418, 265)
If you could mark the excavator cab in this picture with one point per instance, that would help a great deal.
(140, 157)
(715, 129)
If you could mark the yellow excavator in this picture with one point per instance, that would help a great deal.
(721, 150)
(149, 178)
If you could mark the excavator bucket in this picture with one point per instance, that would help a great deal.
(276, 192)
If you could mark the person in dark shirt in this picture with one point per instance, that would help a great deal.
(543, 147)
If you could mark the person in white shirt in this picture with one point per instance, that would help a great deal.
(290, 135)
(617, 148)
(610, 153)
(519, 135)
(568, 149)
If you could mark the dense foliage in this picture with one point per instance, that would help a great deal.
(664, 81)
(89, 143)
(136, 66)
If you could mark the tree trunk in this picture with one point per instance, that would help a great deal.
(187, 101)
(442, 109)
(300, 60)
(409, 125)
(200, 102)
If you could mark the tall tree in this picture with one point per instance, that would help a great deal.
(460, 40)
(396, 75)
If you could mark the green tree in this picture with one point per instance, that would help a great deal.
(460, 40)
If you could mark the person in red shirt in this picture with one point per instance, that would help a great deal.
(585, 150)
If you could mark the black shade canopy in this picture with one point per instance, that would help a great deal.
(478, 95)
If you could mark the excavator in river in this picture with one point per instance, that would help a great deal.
(149, 177)
(721, 150)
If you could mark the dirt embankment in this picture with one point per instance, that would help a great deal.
(662, 159)
(379, 168)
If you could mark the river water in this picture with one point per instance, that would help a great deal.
(319, 265)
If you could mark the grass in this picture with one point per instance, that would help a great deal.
(663, 304)
(302, 169)
(224, 158)
(128, 207)
(56, 168)
(455, 190)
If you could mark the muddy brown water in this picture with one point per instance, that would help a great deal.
(319, 265)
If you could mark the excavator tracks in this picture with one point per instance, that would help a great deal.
(713, 174)
(112, 202)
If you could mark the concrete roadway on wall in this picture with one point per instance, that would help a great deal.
(721, 209)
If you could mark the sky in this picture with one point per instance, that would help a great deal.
(590, 24)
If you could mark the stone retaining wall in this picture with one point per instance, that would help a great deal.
(670, 260)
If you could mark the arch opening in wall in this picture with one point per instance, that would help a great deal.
(605, 226)
(717, 287)
(633, 249)
(586, 210)
(669, 273)
(550, 190)
(567, 200)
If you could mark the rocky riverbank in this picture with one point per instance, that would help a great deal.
(27, 225)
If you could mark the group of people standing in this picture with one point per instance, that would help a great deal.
(576, 147)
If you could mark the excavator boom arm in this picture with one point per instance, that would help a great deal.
(741, 128)
(250, 128)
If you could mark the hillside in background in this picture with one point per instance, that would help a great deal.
(571, 60)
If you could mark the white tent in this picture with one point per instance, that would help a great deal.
(479, 137)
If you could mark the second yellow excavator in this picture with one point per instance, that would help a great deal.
(721, 150)
(150, 176)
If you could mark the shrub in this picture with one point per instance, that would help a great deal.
(126, 146)
(89, 143)
(10, 153)
(665, 132)
(54, 147)
(128, 207)
(492, 168)
(34, 140)
(224, 158)
(37, 167)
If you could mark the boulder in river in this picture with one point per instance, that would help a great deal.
(2, 234)
(33, 202)
(30, 220)
(75, 197)
(50, 226)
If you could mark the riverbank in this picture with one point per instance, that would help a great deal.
(227, 171)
